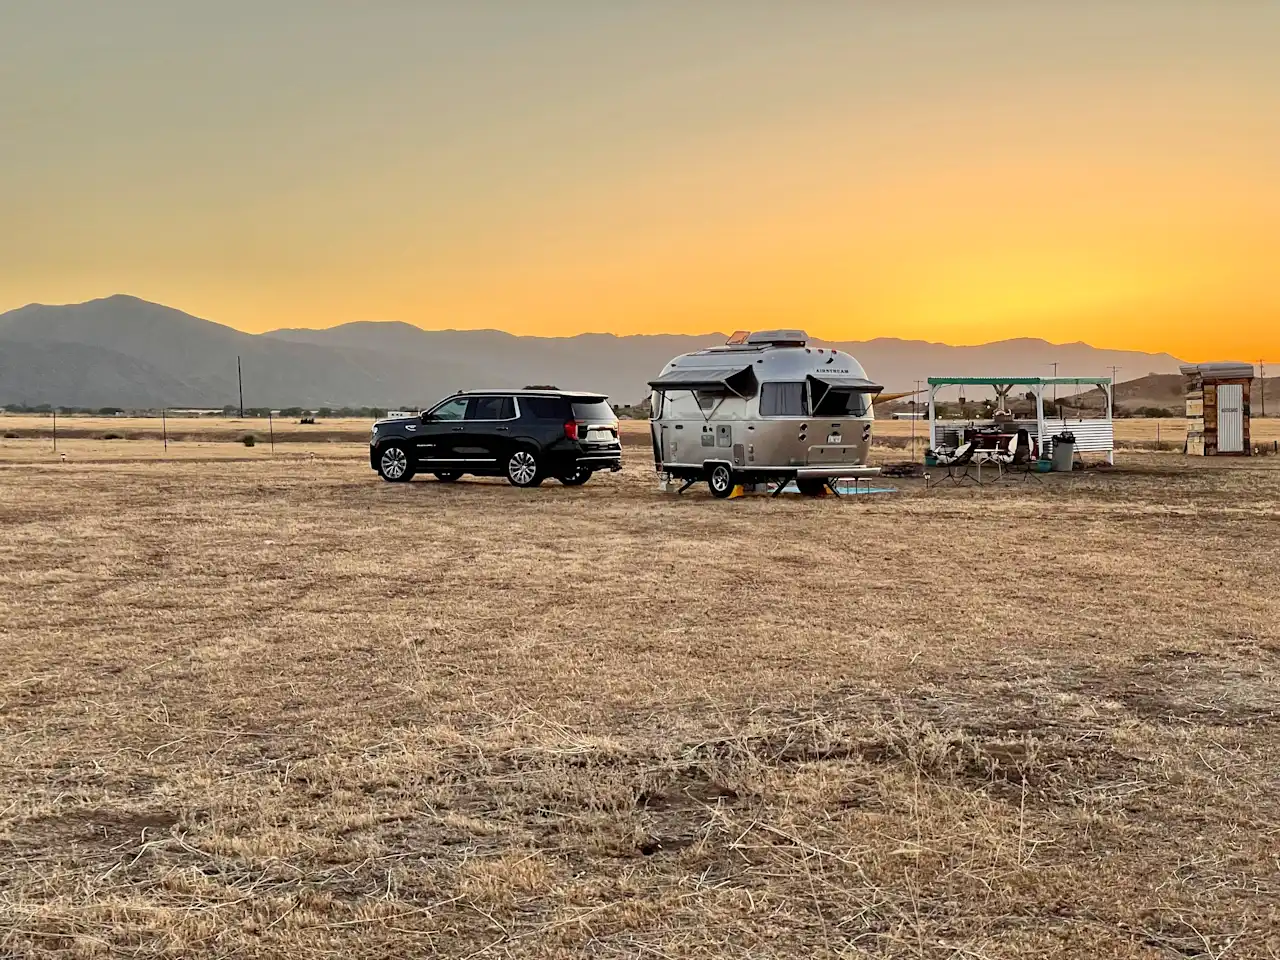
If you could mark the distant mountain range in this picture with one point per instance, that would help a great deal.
(1166, 393)
(125, 352)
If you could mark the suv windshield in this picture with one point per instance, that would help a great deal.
(593, 411)
(453, 409)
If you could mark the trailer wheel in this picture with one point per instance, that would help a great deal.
(811, 486)
(720, 480)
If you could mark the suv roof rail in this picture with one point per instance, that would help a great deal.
(541, 386)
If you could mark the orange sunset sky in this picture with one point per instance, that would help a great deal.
(955, 171)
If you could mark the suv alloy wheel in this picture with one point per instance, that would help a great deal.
(523, 469)
(393, 464)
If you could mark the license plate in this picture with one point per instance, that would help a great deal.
(833, 438)
(599, 436)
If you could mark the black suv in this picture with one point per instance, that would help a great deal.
(523, 435)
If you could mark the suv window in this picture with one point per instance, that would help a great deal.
(453, 409)
(593, 411)
(491, 408)
(784, 400)
(542, 408)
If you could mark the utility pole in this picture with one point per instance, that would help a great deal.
(915, 411)
(1262, 386)
(1055, 386)
(1112, 412)
(240, 380)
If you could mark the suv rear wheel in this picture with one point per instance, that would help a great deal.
(393, 464)
(523, 469)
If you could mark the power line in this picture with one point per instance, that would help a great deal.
(915, 415)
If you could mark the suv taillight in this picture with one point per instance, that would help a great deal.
(571, 429)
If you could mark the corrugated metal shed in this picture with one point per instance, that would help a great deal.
(1223, 370)
(1092, 436)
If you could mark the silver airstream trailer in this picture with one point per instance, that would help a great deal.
(764, 407)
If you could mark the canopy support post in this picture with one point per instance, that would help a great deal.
(933, 418)
(1040, 424)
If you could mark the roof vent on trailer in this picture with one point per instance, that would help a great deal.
(779, 338)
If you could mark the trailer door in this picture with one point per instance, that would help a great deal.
(1230, 418)
(656, 403)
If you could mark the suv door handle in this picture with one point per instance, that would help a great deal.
(504, 428)
(457, 429)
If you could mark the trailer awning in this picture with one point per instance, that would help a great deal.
(737, 380)
(854, 384)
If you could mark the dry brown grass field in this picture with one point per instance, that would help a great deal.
(277, 708)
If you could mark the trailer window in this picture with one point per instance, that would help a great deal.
(842, 403)
(707, 399)
(784, 400)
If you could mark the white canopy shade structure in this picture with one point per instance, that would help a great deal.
(1092, 434)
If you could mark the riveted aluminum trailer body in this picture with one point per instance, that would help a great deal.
(771, 408)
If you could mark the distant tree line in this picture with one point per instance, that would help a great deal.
(1150, 413)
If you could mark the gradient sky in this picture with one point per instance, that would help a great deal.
(948, 170)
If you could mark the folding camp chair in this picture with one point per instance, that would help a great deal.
(1016, 457)
(957, 462)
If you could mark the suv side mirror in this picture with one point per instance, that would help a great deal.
(426, 417)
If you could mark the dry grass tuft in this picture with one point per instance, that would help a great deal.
(278, 708)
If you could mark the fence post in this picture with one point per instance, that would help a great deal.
(55, 429)
(164, 428)
(271, 430)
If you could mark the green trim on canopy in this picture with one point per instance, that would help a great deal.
(1018, 381)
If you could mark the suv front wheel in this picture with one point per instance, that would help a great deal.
(393, 464)
(523, 469)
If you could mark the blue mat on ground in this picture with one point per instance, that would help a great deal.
(845, 488)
